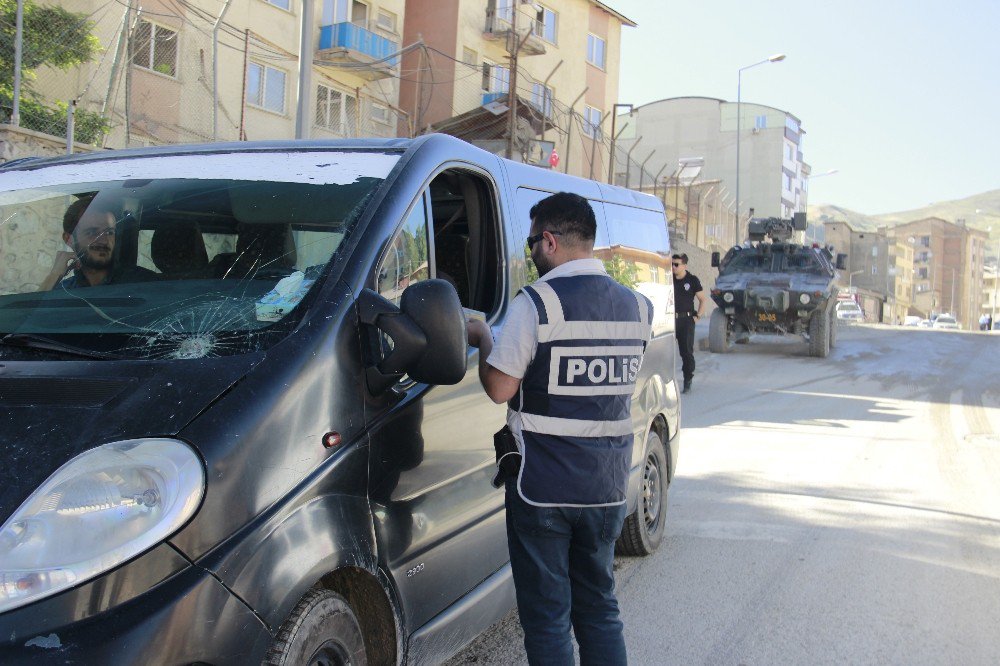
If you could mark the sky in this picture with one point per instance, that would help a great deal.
(902, 98)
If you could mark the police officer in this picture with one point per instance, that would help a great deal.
(566, 360)
(687, 290)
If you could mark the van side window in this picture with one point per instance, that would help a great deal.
(406, 260)
(526, 199)
(467, 248)
(639, 257)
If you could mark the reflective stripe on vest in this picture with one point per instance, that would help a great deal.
(573, 418)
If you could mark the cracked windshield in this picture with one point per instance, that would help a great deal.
(142, 259)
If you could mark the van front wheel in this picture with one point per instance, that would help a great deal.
(643, 529)
(321, 631)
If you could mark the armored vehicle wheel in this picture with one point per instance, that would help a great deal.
(833, 330)
(819, 334)
(718, 332)
(643, 529)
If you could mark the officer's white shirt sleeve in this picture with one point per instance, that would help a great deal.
(515, 345)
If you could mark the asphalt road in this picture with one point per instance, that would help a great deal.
(825, 511)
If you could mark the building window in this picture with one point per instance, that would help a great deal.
(380, 113)
(545, 26)
(155, 47)
(284, 4)
(470, 57)
(336, 111)
(925, 241)
(592, 122)
(386, 21)
(496, 79)
(266, 87)
(786, 182)
(541, 98)
(760, 122)
(344, 11)
(922, 273)
(595, 51)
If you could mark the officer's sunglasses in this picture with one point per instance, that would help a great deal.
(534, 239)
(676, 264)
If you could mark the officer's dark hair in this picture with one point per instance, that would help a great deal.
(569, 214)
(682, 257)
(75, 211)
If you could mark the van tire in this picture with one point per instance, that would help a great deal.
(322, 629)
(819, 334)
(718, 332)
(643, 528)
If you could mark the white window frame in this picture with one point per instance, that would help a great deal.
(466, 53)
(592, 117)
(380, 113)
(261, 101)
(496, 76)
(151, 49)
(341, 125)
(541, 98)
(539, 28)
(592, 41)
(287, 6)
(394, 21)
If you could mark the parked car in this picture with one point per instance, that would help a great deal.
(849, 312)
(947, 322)
(926, 323)
(273, 443)
(911, 320)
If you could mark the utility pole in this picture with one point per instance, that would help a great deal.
(512, 81)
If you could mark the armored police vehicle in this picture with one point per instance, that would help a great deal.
(770, 285)
(239, 420)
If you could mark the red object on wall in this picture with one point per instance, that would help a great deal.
(554, 159)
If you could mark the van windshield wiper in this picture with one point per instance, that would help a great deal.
(32, 341)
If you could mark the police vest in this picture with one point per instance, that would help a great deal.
(573, 408)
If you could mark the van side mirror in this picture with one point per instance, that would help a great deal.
(715, 260)
(841, 261)
(427, 330)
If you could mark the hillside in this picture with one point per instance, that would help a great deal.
(987, 204)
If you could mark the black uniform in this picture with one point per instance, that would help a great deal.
(685, 309)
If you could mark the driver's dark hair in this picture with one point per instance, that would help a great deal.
(75, 211)
(568, 213)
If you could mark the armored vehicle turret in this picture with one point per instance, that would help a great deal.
(770, 285)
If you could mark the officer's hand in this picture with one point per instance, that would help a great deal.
(476, 330)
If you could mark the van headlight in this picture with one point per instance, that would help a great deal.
(100, 509)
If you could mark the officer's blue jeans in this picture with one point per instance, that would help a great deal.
(562, 560)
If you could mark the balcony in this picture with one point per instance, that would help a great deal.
(350, 43)
(498, 27)
(494, 97)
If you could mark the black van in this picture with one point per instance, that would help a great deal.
(239, 421)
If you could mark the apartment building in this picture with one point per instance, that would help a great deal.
(177, 71)
(773, 173)
(567, 57)
(870, 271)
(948, 267)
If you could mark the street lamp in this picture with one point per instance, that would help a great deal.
(850, 280)
(611, 155)
(739, 123)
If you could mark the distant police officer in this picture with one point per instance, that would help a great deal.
(687, 289)
(567, 361)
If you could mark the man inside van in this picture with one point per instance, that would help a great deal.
(566, 362)
(90, 231)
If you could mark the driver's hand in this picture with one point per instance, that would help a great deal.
(64, 262)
